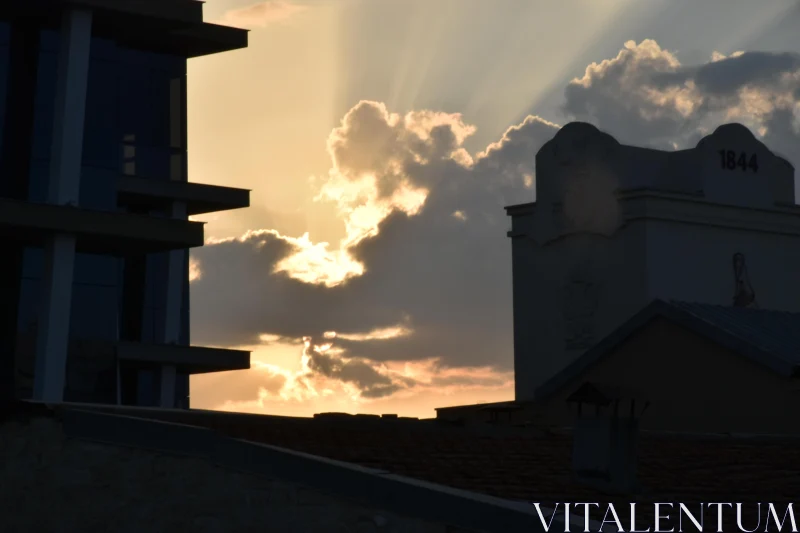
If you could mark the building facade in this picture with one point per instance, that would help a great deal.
(95, 200)
(614, 227)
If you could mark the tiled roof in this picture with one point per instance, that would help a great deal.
(776, 332)
(524, 463)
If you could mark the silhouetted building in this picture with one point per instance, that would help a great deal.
(614, 227)
(95, 200)
(619, 239)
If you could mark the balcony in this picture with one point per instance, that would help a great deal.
(187, 359)
(199, 198)
(165, 26)
(92, 367)
(98, 232)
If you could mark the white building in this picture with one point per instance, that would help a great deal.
(614, 227)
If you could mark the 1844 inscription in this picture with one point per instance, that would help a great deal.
(732, 160)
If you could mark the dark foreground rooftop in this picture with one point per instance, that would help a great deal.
(518, 464)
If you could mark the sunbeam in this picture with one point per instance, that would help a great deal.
(517, 54)
(418, 122)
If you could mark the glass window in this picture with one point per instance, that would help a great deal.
(100, 142)
(94, 298)
(98, 188)
(94, 312)
(4, 50)
(153, 325)
(146, 161)
(28, 305)
(146, 394)
(98, 270)
(135, 110)
(152, 115)
(104, 49)
(25, 351)
(184, 337)
(176, 112)
(18, 75)
(45, 102)
(38, 180)
(32, 263)
(177, 108)
(156, 292)
(50, 41)
(129, 154)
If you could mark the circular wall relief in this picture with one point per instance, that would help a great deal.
(580, 301)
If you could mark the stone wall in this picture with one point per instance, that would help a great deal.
(54, 484)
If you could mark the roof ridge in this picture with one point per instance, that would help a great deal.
(683, 303)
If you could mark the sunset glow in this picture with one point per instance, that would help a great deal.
(381, 141)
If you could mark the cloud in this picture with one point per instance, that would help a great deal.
(241, 385)
(397, 180)
(326, 374)
(370, 381)
(314, 393)
(418, 294)
(646, 96)
(261, 14)
(407, 264)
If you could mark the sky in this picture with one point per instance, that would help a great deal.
(381, 140)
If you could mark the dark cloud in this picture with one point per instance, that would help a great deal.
(441, 269)
(751, 69)
(645, 96)
(370, 382)
(431, 271)
(239, 297)
(468, 380)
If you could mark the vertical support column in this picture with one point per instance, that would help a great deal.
(172, 311)
(64, 187)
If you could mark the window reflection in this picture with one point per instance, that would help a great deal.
(177, 124)
(154, 147)
(176, 113)
(129, 155)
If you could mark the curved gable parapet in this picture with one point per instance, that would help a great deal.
(733, 130)
(579, 171)
(734, 167)
(576, 145)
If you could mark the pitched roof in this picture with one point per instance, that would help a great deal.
(774, 332)
(770, 338)
(524, 464)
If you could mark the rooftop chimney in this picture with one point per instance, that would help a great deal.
(605, 436)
